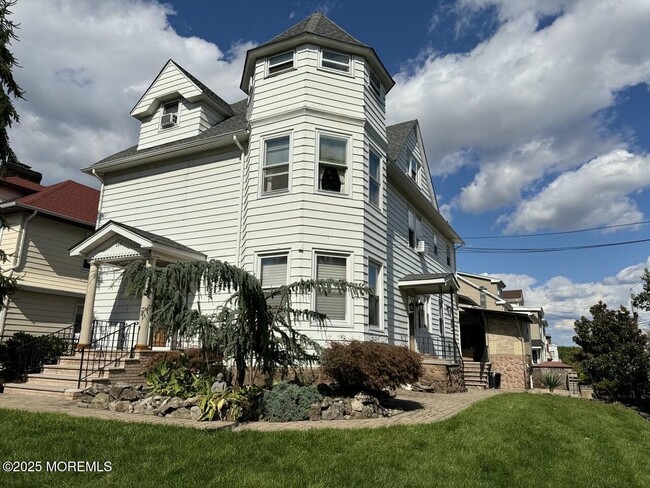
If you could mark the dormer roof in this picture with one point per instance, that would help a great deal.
(317, 29)
(192, 90)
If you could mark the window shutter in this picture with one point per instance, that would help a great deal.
(333, 304)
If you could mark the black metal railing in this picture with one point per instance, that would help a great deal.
(111, 342)
(438, 347)
(46, 349)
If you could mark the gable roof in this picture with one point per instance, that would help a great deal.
(397, 135)
(68, 200)
(318, 25)
(201, 89)
(231, 125)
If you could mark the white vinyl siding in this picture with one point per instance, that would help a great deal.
(275, 176)
(332, 304)
(39, 313)
(332, 163)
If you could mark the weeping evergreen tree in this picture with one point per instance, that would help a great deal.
(254, 328)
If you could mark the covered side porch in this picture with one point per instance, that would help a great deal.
(116, 245)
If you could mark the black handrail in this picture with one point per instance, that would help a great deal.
(438, 347)
(36, 353)
(111, 342)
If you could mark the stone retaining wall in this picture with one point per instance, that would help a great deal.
(514, 370)
(442, 377)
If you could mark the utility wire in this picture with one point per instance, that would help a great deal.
(532, 250)
(541, 234)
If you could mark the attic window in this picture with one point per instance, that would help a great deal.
(414, 169)
(335, 61)
(281, 62)
(169, 116)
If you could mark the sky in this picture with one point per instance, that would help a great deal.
(535, 114)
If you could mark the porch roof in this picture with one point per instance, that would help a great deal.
(478, 310)
(132, 243)
(428, 283)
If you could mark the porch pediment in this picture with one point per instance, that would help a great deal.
(115, 242)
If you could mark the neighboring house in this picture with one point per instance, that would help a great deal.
(301, 180)
(41, 224)
(497, 331)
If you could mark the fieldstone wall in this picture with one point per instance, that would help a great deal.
(562, 372)
(514, 374)
(441, 377)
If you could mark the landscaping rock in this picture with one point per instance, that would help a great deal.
(314, 412)
(123, 406)
(100, 401)
(356, 405)
(181, 413)
(83, 404)
(195, 413)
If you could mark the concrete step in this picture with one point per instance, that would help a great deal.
(60, 370)
(42, 390)
(52, 380)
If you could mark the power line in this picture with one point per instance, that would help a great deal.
(533, 250)
(541, 234)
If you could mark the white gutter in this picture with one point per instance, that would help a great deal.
(101, 198)
(18, 263)
(241, 200)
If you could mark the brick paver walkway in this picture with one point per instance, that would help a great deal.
(429, 408)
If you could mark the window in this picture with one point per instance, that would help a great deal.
(281, 62)
(374, 298)
(335, 61)
(418, 311)
(276, 165)
(333, 303)
(332, 163)
(85, 265)
(273, 274)
(414, 169)
(441, 316)
(375, 178)
(415, 229)
(448, 255)
(374, 83)
(78, 317)
(435, 244)
(170, 115)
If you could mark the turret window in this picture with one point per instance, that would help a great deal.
(276, 165)
(332, 163)
(374, 188)
(281, 62)
(335, 61)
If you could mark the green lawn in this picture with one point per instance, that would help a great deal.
(511, 440)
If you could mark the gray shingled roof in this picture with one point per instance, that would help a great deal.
(232, 124)
(151, 237)
(425, 276)
(220, 101)
(536, 343)
(397, 135)
(319, 25)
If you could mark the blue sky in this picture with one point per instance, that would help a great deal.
(535, 113)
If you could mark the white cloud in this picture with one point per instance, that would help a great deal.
(568, 201)
(564, 301)
(85, 65)
(526, 100)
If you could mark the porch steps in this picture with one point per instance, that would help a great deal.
(476, 374)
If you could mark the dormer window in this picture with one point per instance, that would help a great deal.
(281, 62)
(335, 61)
(169, 116)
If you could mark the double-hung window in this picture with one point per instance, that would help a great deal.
(415, 229)
(276, 165)
(273, 274)
(332, 163)
(335, 61)
(281, 62)
(374, 164)
(374, 297)
(414, 169)
(332, 303)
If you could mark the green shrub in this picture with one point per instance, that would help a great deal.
(192, 359)
(25, 353)
(551, 380)
(288, 402)
(233, 405)
(176, 374)
(370, 366)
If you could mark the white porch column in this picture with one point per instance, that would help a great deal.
(145, 315)
(85, 337)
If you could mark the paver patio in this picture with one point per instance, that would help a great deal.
(426, 408)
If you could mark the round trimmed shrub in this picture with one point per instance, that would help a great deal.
(288, 402)
(370, 366)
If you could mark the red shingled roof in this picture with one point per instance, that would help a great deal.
(67, 199)
(22, 183)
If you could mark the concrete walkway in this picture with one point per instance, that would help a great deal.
(422, 408)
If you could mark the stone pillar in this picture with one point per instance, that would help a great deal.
(145, 315)
(85, 337)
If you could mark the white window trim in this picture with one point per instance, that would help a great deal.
(272, 254)
(419, 233)
(350, 72)
(348, 164)
(262, 159)
(349, 304)
(162, 112)
(379, 205)
(267, 64)
(379, 293)
(418, 169)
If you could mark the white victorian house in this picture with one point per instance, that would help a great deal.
(302, 179)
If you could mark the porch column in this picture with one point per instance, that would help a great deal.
(145, 315)
(85, 337)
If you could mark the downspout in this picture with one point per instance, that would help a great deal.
(18, 263)
(241, 201)
(101, 198)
